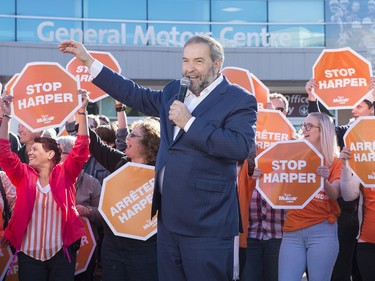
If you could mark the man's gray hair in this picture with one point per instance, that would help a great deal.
(216, 49)
(66, 143)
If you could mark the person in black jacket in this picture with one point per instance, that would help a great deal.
(125, 258)
(348, 224)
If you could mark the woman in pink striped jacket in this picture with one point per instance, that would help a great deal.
(45, 228)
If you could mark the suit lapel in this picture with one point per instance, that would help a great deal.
(213, 98)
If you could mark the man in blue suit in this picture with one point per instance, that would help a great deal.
(202, 138)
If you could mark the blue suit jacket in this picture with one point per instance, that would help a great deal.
(199, 196)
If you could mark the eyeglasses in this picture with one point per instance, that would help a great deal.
(280, 108)
(132, 135)
(308, 126)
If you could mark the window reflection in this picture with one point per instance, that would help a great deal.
(236, 23)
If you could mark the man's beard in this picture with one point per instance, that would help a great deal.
(203, 82)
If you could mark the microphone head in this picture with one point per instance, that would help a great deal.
(185, 82)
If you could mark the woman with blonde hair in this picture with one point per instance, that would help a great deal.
(310, 234)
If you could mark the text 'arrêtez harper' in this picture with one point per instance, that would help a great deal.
(134, 203)
(265, 138)
(289, 171)
(363, 151)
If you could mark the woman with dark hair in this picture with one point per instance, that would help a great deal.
(126, 259)
(45, 228)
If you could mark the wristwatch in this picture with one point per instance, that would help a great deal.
(120, 108)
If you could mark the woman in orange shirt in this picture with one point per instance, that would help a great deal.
(351, 189)
(310, 234)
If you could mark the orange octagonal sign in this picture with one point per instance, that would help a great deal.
(360, 139)
(272, 126)
(82, 73)
(10, 83)
(88, 244)
(247, 80)
(125, 201)
(239, 76)
(45, 95)
(343, 78)
(13, 274)
(289, 179)
(5, 260)
(260, 91)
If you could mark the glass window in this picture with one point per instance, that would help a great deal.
(240, 10)
(236, 23)
(350, 24)
(49, 30)
(171, 34)
(117, 31)
(7, 25)
(247, 32)
(298, 35)
(107, 108)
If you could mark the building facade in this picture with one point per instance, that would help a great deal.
(276, 40)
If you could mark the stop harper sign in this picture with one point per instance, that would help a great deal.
(250, 82)
(10, 83)
(45, 95)
(81, 72)
(88, 244)
(343, 78)
(360, 140)
(125, 201)
(289, 179)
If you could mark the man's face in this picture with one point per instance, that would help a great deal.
(334, 6)
(91, 123)
(356, 7)
(344, 4)
(362, 109)
(198, 66)
(26, 136)
(279, 105)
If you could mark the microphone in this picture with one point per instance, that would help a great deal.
(184, 85)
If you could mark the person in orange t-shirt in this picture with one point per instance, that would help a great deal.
(351, 189)
(310, 234)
